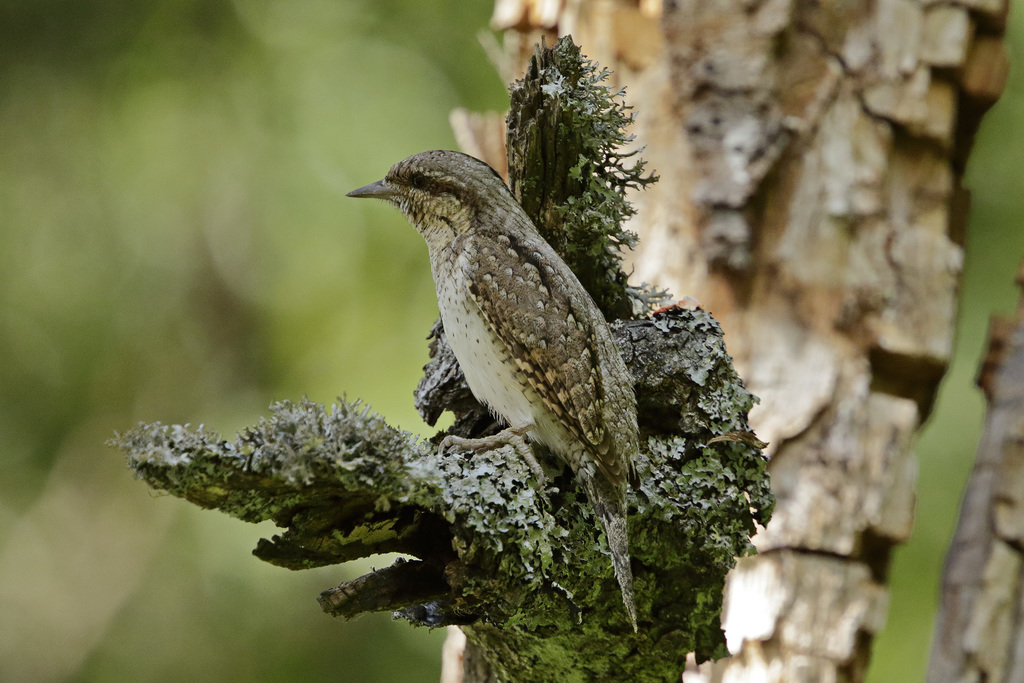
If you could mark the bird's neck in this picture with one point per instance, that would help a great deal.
(439, 228)
(436, 233)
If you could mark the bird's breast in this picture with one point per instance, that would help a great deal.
(486, 362)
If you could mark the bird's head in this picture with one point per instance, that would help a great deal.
(441, 192)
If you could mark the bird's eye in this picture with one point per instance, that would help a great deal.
(418, 180)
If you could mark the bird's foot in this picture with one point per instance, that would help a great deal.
(512, 436)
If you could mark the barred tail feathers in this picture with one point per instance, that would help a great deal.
(611, 511)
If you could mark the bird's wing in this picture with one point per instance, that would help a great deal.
(530, 303)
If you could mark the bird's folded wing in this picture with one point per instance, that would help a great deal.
(525, 298)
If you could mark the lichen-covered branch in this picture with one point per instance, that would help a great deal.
(327, 476)
(522, 565)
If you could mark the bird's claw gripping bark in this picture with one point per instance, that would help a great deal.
(512, 436)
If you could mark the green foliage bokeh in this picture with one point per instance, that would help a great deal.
(175, 245)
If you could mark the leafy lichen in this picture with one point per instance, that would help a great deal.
(495, 550)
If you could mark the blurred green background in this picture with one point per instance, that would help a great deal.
(175, 245)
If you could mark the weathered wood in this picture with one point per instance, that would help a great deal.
(946, 36)
(482, 136)
(985, 70)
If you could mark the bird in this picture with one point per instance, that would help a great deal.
(531, 342)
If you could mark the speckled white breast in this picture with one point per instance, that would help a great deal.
(489, 370)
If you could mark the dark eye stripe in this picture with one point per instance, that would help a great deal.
(429, 183)
(437, 186)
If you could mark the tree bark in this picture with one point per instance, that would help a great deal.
(810, 157)
(980, 626)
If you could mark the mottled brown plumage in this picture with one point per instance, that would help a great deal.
(531, 342)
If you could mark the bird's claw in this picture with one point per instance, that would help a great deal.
(508, 437)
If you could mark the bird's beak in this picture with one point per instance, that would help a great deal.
(378, 189)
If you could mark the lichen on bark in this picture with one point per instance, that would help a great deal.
(570, 166)
(495, 551)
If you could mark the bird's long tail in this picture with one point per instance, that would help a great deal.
(610, 507)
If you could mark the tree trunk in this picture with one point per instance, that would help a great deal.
(810, 157)
(980, 627)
